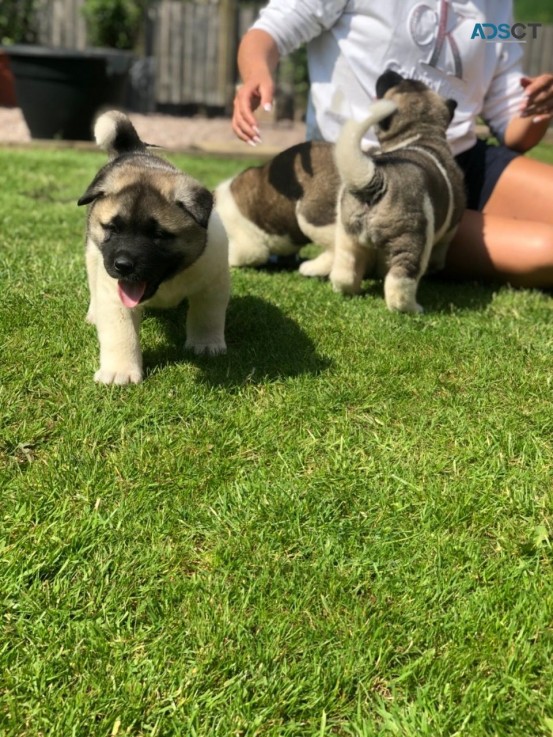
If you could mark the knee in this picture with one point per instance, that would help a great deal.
(540, 239)
(539, 247)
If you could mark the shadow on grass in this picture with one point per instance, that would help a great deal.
(441, 294)
(263, 344)
(437, 294)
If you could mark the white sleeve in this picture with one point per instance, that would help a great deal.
(505, 93)
(294, 22)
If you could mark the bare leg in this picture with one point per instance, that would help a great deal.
(512, 240)
(524, 191)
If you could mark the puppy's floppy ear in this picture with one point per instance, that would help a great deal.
(194, 199)
(95, 189)
(451, 106)
(386, 81)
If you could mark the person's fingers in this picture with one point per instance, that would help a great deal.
(248, 98)
(538, 108)
(545, 108)
(538, 97)
(542, 97)
(244, 123)
(267, 93)
(539, 89)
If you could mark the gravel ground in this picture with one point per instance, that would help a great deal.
(179, 134)
(213, 135)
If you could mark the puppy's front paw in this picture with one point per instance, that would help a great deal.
(317, 267)
(207, 347)
(119, 376)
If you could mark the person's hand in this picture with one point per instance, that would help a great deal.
(257, 91)
(538, 92)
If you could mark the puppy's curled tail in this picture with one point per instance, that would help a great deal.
(357, 169)
(115, 133)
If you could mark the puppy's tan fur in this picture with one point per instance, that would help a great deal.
(401, 207)
(161, 221)
(317, 192)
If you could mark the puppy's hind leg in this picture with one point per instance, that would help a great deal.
(323, 235)
(246, 251)
(407, 258)
(349, 264)
(246, 242)
(400, 292)
(320, 266)
(439, 252)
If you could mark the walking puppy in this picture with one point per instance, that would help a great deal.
(279, 207)
(152, 239)
(401, 207)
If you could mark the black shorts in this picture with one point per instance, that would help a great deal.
(482, 166)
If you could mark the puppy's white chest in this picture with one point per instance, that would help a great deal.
(169, 294)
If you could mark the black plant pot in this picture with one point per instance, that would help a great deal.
(60, 91)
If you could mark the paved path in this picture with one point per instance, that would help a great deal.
(212, 135)
(179, 134)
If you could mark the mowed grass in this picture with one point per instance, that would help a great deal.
(341, 527)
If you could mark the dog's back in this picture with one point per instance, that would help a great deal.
(281, 205)
(302, 177)
(403, 169)
(402, 205)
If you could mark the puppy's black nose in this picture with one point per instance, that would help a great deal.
(123, 265)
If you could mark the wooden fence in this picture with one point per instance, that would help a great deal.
(190, 47)
(61, 23)
(538, 52)
(195, 48)
(190, 44)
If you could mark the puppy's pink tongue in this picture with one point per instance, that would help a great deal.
(131, 292)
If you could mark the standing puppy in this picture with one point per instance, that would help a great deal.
(400, 207)
(277, 208)
(152, 239)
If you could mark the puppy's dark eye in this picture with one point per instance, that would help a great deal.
(163, 235)
(112, 227)
(158, 232)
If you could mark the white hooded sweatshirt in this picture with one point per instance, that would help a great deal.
(351, 42)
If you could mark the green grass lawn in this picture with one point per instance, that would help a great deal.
(342, 527)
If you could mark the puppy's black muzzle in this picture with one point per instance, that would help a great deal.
(123, 265)
(128, 256)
